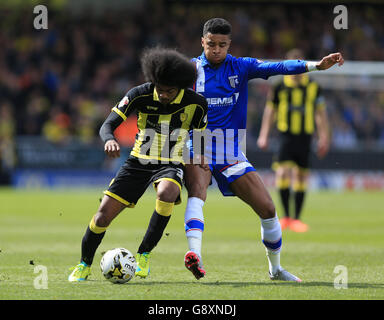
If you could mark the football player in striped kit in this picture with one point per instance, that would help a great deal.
(166, 109)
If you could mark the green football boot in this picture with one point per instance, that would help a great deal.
(142, 268)
(79, 273)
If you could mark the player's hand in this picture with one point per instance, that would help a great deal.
(262, 143)
(330, 60)
(201, 161)
(112, 149)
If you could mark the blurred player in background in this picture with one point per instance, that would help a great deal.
(223, 80)
(163, 106)
(298, 107)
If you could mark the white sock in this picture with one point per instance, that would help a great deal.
(271, 236)
(194, 245)
(273, 261)
(194, 224)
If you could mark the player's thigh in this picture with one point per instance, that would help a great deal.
(286, 157)
(129, 184)
(197, 181)
(251, 189)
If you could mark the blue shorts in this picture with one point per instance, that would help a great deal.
(227, 173)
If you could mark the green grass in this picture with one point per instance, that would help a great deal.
(46, 227)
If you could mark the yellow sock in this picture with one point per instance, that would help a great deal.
(94, 228)
(164, 208)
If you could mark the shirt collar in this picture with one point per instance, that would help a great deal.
(177, 100)
(204, 60)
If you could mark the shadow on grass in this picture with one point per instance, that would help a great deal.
(251, 284)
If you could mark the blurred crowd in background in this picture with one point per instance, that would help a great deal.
(62, 82)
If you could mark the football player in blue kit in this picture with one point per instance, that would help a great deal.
(223, 80)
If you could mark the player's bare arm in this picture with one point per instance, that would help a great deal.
(266, 125)
(323, 142)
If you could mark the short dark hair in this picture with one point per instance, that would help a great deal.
(168, 67)
(217, 26)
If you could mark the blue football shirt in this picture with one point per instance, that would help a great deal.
(226, 89)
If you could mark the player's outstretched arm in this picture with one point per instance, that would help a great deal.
(329, 61)
(266, 69)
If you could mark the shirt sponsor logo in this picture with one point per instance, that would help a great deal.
(224, 101)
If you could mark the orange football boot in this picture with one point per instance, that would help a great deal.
(297, 226)
(285, 222)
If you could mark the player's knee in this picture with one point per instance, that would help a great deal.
(101, 219)
(168, 193)
(197, 189)
(283, 172)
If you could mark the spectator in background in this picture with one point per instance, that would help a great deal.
(7, 147)
(343, 136)
(92, 55)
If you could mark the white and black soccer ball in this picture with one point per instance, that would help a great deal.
(118, 265)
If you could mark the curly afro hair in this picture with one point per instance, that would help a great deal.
(168, 67)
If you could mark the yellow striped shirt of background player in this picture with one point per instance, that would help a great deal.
(298, 108)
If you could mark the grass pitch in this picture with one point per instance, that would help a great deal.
(44, 228)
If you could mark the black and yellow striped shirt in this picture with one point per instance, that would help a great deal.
(163, 129)
(295, 105)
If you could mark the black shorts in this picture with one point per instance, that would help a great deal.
(133, 179)
(294, 150)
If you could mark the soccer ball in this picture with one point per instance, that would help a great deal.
(118, 265)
